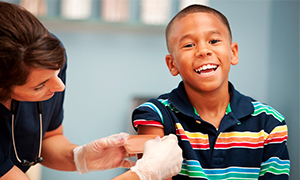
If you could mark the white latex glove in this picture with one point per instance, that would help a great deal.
(162, 158)
(102, 154)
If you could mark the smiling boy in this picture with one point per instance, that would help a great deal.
(223, 134)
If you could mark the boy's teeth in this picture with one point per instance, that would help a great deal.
(205, 67)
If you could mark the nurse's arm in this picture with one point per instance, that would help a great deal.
(57, 151)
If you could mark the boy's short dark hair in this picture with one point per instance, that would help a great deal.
(195, 8)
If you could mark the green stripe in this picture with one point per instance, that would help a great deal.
(198, 172)
(228, 109)
(261, 108)
(275, 168)
(192, 173)
(192, 170)
(195, 110)
(165, 102)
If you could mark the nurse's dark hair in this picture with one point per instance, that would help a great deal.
(25, 44)
(195, 8)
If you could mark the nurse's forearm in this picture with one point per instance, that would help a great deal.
(57, 151)
(58, 154)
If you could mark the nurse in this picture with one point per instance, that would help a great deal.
(32, 82)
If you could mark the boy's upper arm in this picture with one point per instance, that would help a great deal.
(144, 130)
(147, 114)
(152, 130)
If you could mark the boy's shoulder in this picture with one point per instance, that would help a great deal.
(260, 108)
(239, 101)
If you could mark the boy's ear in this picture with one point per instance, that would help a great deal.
(234, 53)
(171, 65)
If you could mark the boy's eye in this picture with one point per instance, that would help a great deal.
(214, 41)
(189, 45)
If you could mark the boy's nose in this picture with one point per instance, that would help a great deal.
(203, 51)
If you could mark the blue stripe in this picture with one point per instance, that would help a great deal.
(155, 108)
(277, 160)
(191, 162)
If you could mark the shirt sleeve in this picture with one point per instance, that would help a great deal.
(276, 163)
(147, 114)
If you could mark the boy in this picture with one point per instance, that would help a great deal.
(223, 134)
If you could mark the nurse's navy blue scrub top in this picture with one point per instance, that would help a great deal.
(27, 128)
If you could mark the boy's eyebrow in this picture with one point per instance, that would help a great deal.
(215, 32)
(211, 32)
(184, 37)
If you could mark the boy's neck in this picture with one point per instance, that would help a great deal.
(211, 106)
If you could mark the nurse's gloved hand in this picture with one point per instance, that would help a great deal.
(102, 154)
(162, 159)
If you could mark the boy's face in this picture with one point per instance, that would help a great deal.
(201, 52)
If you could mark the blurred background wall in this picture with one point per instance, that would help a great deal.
(116, 59)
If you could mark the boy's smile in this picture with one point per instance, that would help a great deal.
(206, 69)
(201, 52)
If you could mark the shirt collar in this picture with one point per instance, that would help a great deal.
(240, 105)
(178, 98)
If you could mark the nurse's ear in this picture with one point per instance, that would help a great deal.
(171, 65)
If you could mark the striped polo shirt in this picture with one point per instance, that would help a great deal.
(250, 142)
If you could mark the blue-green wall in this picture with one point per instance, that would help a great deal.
(108, 66)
